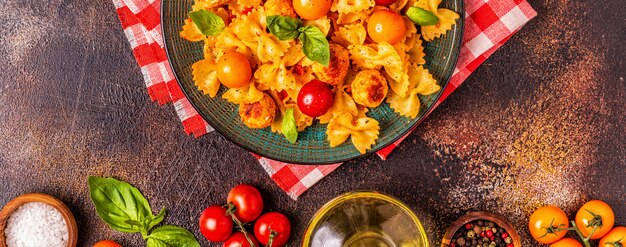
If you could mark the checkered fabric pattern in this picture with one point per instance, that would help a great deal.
(488, 25)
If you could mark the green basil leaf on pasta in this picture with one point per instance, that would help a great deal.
(314, 44)
(171, 236)
(283, 27)
(119, 204)
(209, 23)
(421, 16)
(289, 128)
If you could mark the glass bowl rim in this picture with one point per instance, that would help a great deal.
(317, 217)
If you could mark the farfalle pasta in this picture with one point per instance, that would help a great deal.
(283, 47)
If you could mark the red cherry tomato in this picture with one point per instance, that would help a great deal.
(215, 225)
(239, 240)
(385, 2)
(315, 98)
(272, 222)
(107, 243)
(248, 202)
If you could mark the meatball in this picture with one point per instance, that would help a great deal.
(259, 114)
(337, 68)
(280, 7)
(369, 88)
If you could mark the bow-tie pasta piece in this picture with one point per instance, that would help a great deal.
(422, 83)
(351, 34)
(382, 55)
(447, 18)
(209, 4)
(247, 94)
(342, 103)
(205, 77)
(362, 131)
(191, 32)
(275, 76)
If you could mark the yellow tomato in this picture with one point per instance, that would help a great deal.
(233, 69)
(567, 242)
(107, 243)
(544, 222)
(312, 9)
(595, 214)
(386, 25)
(614, 238)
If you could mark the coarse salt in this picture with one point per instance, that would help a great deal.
(36, 224)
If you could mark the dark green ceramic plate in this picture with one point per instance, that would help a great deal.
(312, 146)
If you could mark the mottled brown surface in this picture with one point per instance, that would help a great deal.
(542, 121)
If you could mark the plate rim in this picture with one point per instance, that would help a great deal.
(454, 57)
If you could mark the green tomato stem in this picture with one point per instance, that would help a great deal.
(231, 212)
(272, 236)
(580, 234)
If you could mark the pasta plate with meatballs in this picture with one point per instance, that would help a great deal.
(289, 63)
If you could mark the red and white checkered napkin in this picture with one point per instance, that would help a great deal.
(488, 24)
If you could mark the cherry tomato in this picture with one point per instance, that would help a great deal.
(386, 25)
(233, 69)
(315, 98)
(543, 221)
(215, 225)
(238, 239)
(385, 2)
(248, 202)
(312, 9)
(566, 242)
(272, 222)
(593, 213)
(614, 238)
(107, 243)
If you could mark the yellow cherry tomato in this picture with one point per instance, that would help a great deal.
(567, 242)
(544, 222)
(386, 25)
(233, 69)
(614, 238)
(595, 214)
(312, 9)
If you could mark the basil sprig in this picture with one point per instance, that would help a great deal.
(288, 127)
(207, 22)
(421, 16)
(125, 209)
(314, 43)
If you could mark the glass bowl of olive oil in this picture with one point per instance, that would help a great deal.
(365, 219)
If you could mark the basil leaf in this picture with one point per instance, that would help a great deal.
(119, 204)
(283, 27)
(171, 236)
(421, 16)
(208, 22)
(289, 128)
(314, 44)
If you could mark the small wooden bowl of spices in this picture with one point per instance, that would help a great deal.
(481, 229)
(37, 219)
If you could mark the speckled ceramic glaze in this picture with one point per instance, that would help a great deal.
(312, 146)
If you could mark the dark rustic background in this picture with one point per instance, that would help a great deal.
(541, 122)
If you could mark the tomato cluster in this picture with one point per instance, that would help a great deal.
(245, 205)
(594, 220)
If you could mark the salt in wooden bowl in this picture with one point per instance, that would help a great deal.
(14, 204)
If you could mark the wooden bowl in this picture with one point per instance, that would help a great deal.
(482, 215)
(43, 198)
